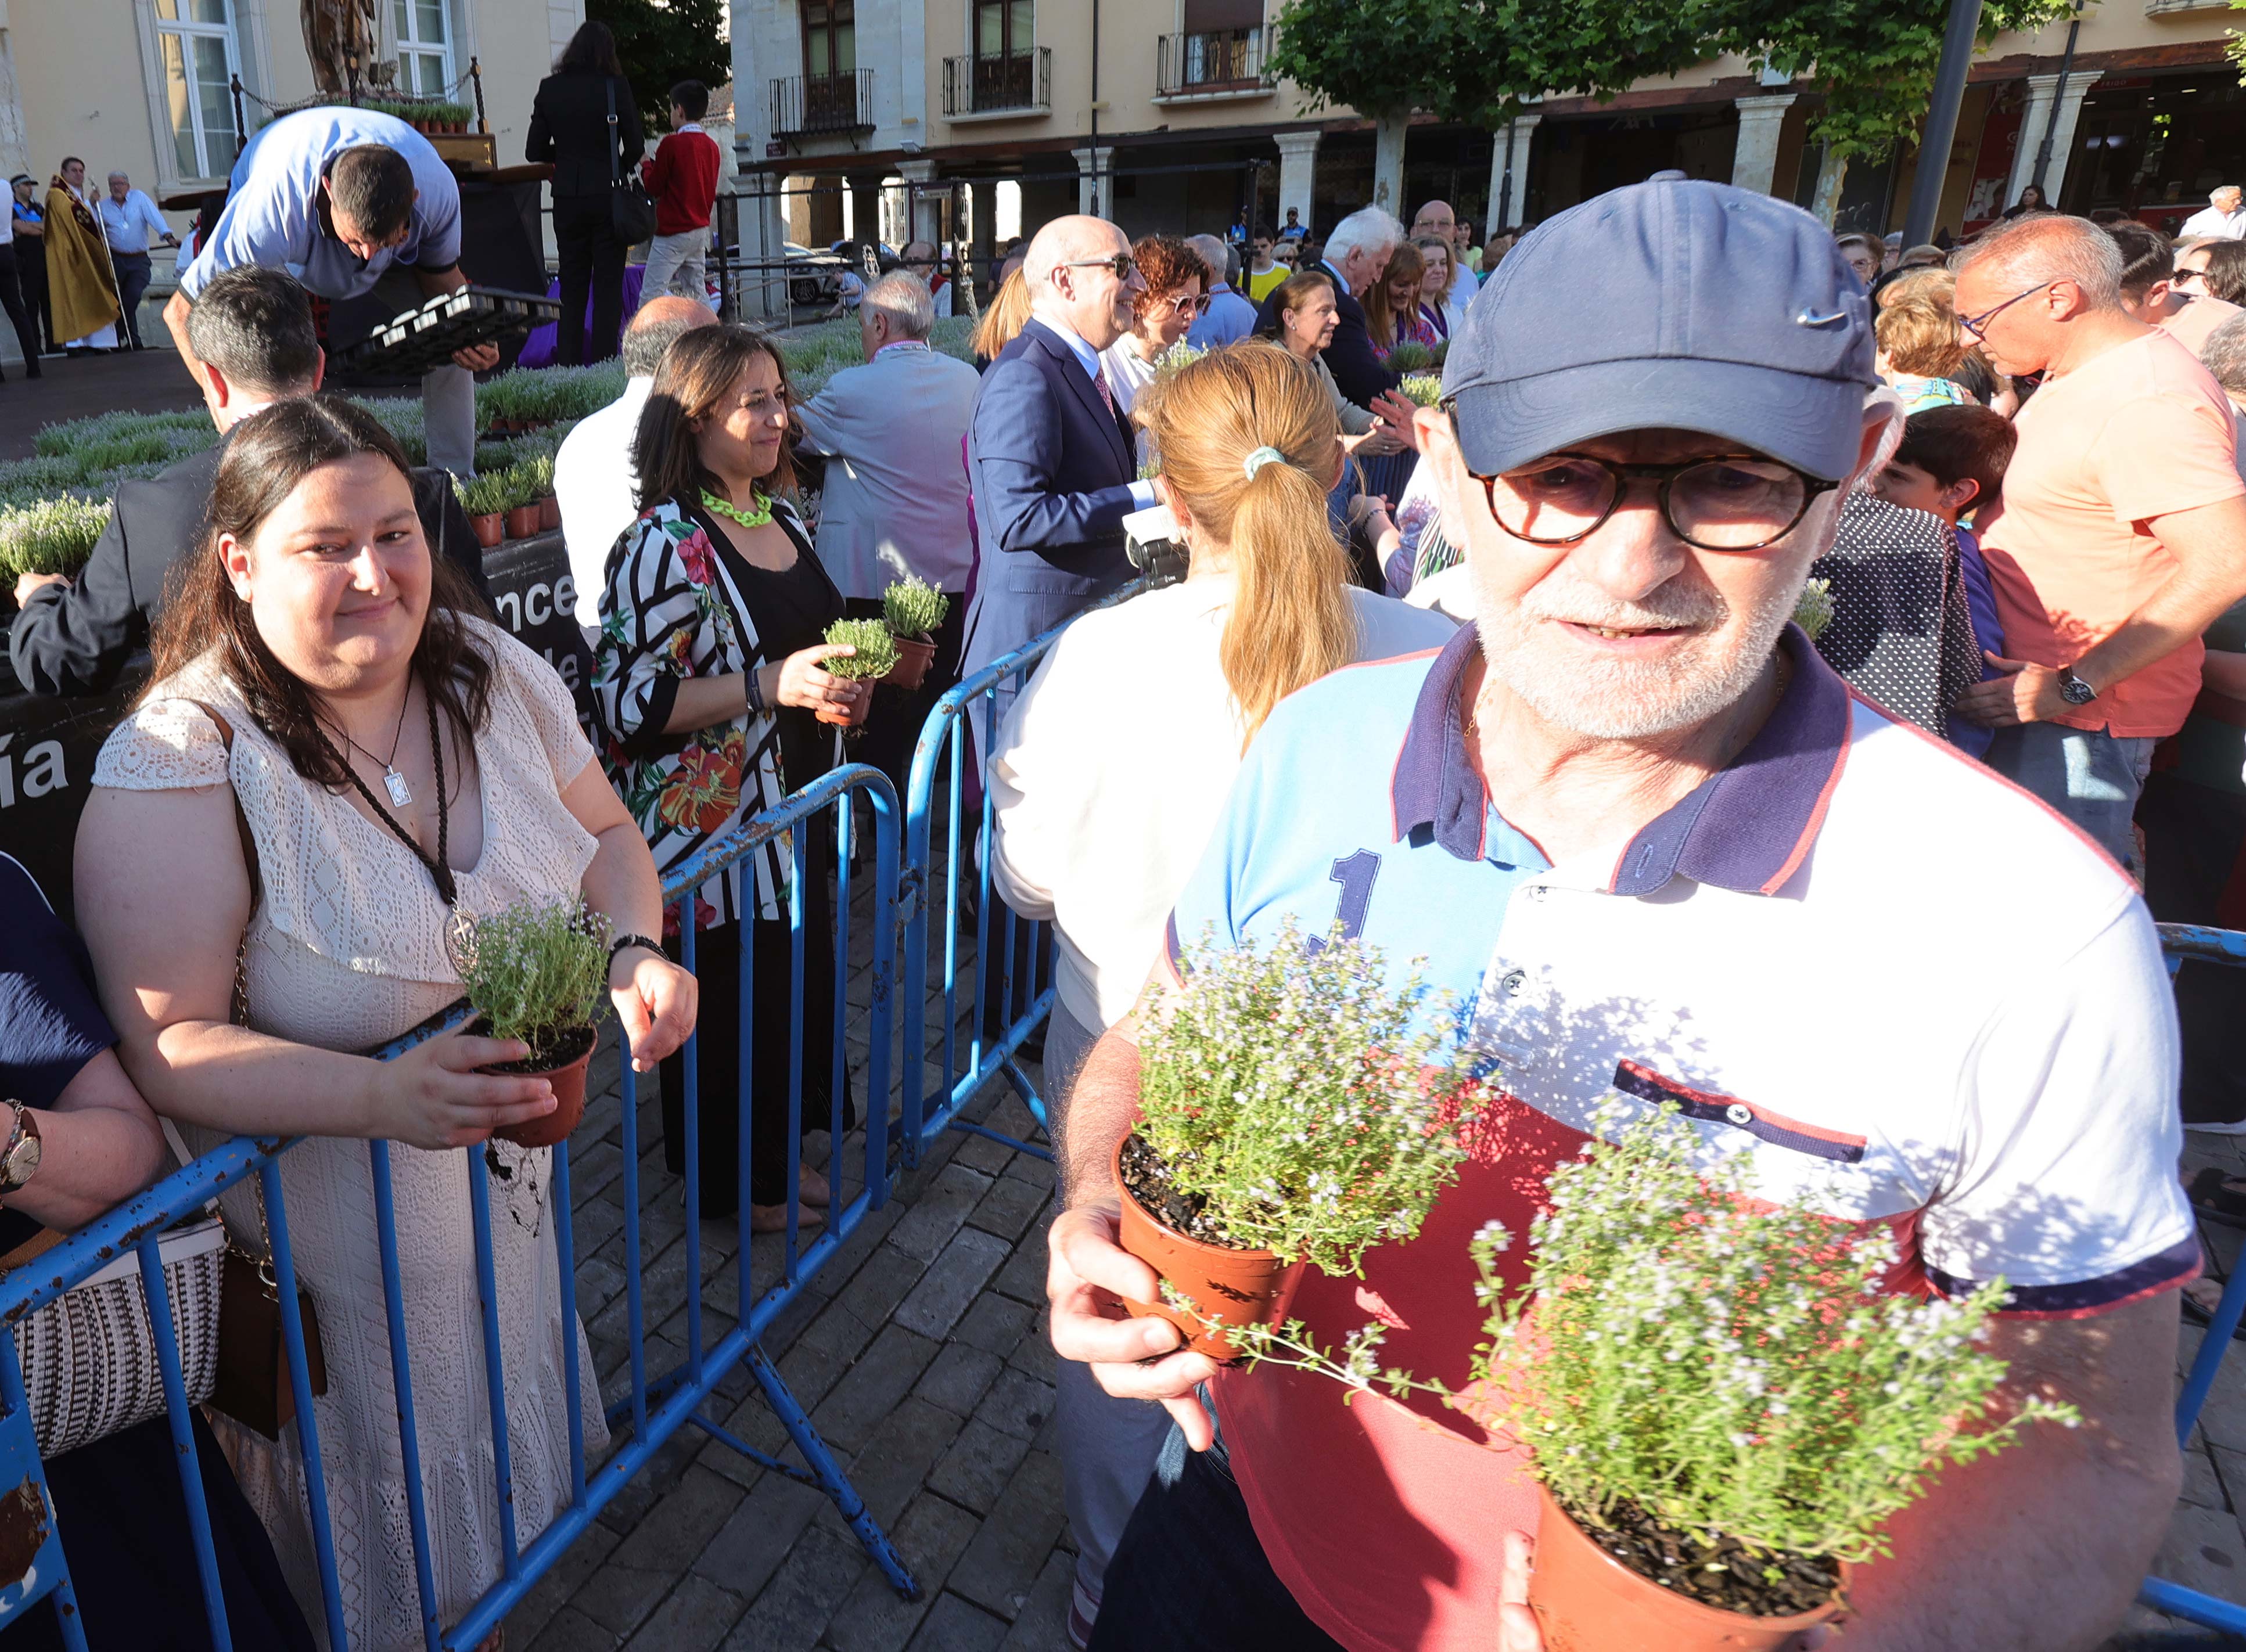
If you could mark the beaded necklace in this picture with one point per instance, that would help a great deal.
(758, 515)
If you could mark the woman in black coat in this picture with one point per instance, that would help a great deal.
(569, 127)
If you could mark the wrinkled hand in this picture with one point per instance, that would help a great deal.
(433, 1096)
(1398, 412)
(2023, 694)
(477, 358)
(1373, 443)
(802, 682)
(27, 583)
(657, 1001)
(1086, 1279)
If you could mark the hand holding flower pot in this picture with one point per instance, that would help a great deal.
(1290, 1115)
(539, 974)
(873, 657)
(913, 609)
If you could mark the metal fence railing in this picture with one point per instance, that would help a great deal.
(653, 1404)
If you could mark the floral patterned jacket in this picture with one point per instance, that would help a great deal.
(669, 610)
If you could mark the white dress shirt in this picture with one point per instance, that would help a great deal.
(1142, 494)
(130, 225)
(594, 481)
(2228, 226)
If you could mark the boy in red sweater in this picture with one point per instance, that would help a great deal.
(682, 175)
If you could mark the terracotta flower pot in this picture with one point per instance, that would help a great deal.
(550, 514)
(567, 1080)
(521, 521)
(915, 655)
(1232, 1286)
(489, 529)
(1586, 1601)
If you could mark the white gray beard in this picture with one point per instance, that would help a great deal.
(1624, 700)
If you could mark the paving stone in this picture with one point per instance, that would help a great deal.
(1042, 1624)
(1008, 1208)
(1023, 1278)
(976, 1469)
(1001, 1563)
(1034, 1353)
(954, 1626)
(952, 1282)
(796, 1605)
(980, 1153)
(2202, 1487)
(619, 1598)
(694, 1619)
(569, 1572)
(960, 1377)
(995, 1324)
(905, 1448)
(931, 1537)
(871, 1389)
(659, 1475)
(752, 1544)
(1016, 1404)
(881, 1282)
(569, 1631)
(2203, 1551)
(935, 1214)
(681, 1520)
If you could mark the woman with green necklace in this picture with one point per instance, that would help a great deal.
(707, 680)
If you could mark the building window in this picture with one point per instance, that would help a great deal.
(195, 47)
(830, 39)
(425, 49)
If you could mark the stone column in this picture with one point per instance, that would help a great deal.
(865, 207)
(1514, 204)
(982, 228)
(2043, 90)
(1754, 160)
(1095, 182)
(925, 198)
(764, 226)
(1299, 164)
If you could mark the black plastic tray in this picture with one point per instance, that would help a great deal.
(427, 335)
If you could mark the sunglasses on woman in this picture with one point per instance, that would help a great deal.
(1188, 304)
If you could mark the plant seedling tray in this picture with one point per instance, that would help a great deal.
(425, 337)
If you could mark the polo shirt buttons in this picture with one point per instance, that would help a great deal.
(1740, 1113)
(1510, 984)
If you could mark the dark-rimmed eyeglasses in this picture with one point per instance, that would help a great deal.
(1122, 265)
(1978, 325)
(1723, 502)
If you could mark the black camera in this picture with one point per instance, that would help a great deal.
(1151, 541)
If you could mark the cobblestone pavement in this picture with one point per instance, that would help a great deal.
(920, 1353)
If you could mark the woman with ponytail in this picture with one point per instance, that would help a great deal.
(1113, 765)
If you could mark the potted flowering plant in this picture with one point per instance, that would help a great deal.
(875, 658)
(912, 609)
(1722, 1401)
(522, 486)
(539, 974)
(1288, 1116)
(50, 535)
(484, 497)
(1410, 358)
(1425, 389)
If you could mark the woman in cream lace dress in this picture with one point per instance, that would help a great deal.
(312, 635)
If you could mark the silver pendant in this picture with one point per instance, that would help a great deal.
(401, 795)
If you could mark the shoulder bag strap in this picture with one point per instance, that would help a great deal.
(248, 862)
(615, 146)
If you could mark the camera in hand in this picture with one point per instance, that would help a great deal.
(1151, 540)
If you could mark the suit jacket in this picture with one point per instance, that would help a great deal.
(74, 639)
(896, 498)
(1052, 470)
(1356, 368)
(569, 126)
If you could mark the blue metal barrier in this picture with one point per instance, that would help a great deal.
(2180, 942)
(657, 1407)
(1012, 988)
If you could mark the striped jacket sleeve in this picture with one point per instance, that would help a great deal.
(653, 633)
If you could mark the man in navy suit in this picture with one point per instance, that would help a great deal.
(1050, 456)
(1356, 254)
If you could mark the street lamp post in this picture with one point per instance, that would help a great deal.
(1941, 127)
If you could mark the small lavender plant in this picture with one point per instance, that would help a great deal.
(1287, 1092)
(535, 973)
(876, 653)
(912, 607)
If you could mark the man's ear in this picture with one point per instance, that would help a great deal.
(319, 371)
(1962, 493)
(220, 392)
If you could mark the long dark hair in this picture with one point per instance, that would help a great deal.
(591, 50)
(691, 382)
(266, 457)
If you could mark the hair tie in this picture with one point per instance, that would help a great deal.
(1261, 457)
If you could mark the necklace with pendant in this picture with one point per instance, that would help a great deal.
(401, 794)
(758, 515)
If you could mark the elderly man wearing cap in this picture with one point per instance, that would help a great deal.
(1657, 851)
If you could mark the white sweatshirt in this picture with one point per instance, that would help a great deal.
(1113, 766)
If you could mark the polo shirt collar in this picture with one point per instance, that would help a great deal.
(1746, 828)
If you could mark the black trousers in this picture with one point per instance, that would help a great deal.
(592, 263)
(31, 272)
(2194, 837)
(20, 316)
(893, 726)
(134, 272)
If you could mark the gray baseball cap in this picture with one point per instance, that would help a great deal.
(1669, 303)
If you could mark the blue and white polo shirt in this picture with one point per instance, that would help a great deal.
(1907, 989)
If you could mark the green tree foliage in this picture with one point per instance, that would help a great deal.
(664, 42)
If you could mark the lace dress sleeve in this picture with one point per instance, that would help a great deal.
(546, 698)
(166, 745)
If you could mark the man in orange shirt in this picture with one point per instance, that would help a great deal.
(2122, 530)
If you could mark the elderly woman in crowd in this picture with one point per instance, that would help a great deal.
(1104, 801)
(1304, 315)
(1440, 313)
(1176, 295)
(340, 758)
(1920, 346)
(707, 676)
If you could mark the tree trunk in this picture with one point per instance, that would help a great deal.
(1388, 160)
(1832, 173)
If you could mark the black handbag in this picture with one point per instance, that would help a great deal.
(631, 209)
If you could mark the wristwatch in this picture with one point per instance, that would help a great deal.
(2072, 689)
(19, 1160)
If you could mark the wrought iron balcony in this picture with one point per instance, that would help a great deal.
(1019, 83)
(814, 106)
(1223, 60)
